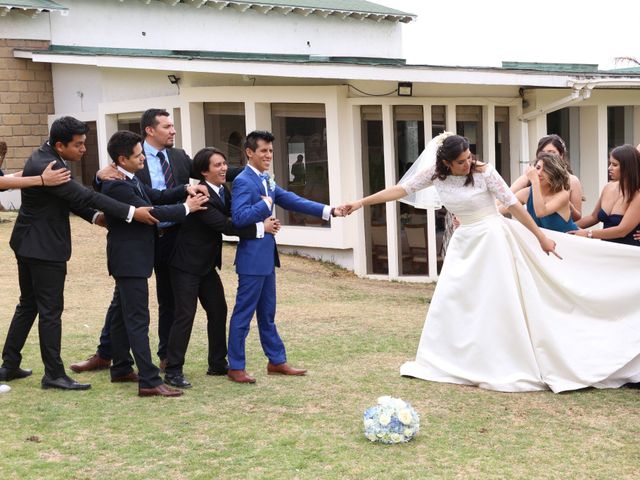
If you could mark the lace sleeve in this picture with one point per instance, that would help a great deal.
(498, 187)
(418, 181)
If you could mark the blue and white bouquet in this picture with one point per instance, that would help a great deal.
(392, 420)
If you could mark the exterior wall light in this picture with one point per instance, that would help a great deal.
(405, 89)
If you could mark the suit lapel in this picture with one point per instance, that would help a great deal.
(144, 175)
(214, 198)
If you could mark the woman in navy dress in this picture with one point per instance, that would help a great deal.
(548, 199)
(618, 207)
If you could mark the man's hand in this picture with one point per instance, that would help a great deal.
(272, 225)
(197, 202)
(193, 190)
(143, 215)
(110, 172)
(636, 236)
(101, 221)
(338, 211)
(51, 177)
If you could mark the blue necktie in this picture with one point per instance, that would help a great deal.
(139, 189)
(221, 194)
(166, 171)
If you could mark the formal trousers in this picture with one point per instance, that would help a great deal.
(164, 246)
(188, 288)
(256, 294)
(130, 331)
(42, 295)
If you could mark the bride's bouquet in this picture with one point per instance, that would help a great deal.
(392, 420)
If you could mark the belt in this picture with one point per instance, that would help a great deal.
(163, 231)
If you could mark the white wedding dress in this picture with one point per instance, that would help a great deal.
(505, 316)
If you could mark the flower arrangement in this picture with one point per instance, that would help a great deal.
(392, 420)
(272, 183)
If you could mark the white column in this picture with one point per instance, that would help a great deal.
(192, 121)
(489, 134)
(393, 247)
(636, 125)
(106, 125)
(593, 153)
(360, 238)
(450, 119)
(257, 116)
(518, 142)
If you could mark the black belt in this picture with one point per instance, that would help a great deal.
(163, 231)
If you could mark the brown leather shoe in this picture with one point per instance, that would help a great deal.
(160, 391)
(240, 376)
(94, 362)
(284, 369)
(129, 377)
(163, 365)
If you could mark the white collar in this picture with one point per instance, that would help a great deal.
(215, 188)
(257, 172)
(129, 175)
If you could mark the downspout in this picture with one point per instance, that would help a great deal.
(580, 91)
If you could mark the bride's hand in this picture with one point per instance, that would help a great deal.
(349, 208)
(549, 246)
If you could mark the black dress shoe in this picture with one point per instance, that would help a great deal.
(64, 383)
(218, 371)
(177, 381)
(7, 374)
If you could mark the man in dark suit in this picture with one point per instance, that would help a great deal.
(130, 256)
(193, 268)
(41, 240)
(164, 165)
(254, 196)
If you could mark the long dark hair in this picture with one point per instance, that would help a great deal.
(558, 143)
(629, 159)
(452, 148)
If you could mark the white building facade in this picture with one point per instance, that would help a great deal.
(326, 81)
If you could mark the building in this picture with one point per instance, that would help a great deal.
(328, 78)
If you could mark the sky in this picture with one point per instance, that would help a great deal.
(487, 32)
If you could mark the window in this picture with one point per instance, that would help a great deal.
(503, 163)
(224, 128)
(130, 121)
(300, 162)
(469, 124)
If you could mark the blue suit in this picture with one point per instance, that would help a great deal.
(256, 259)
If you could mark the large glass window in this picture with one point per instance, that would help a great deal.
(409, 142)
(300, 156)
(503, 161)
(373, 181)
(438, 120)
(224, 128)
(469, 124)
(130, 121)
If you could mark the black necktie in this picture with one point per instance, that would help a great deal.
(139, 189)
(166, 171)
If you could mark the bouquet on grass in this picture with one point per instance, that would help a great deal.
(392, 420)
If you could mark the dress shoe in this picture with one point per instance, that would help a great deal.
(284, 369)
(7, 374)
(129, 377)
(94, 362)
(240, 376)
(218, 371)
(163, 365)
(64, 383)
(159, 391)
(177, 381)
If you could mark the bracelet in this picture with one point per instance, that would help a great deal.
(42, 180)
(589, 233)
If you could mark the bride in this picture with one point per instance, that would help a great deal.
(505, 315)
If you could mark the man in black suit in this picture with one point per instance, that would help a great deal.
(130, 256)
(41, 240)
(193, 268)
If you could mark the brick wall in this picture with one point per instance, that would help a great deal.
(26, 99)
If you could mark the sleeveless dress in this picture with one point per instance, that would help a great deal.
(504, 316)
(551, 222)
(613, 221)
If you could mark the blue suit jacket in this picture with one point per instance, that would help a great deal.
(259, 256)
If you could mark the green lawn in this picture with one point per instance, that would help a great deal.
(352, 335)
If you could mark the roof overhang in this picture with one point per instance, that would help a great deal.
(312, 68)
(324, 9)
(31, 8)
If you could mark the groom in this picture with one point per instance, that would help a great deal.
(254, 194)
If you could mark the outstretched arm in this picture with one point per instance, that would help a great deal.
(387, 195)
(519, 213)
(48, 178)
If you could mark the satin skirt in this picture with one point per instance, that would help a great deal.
(505, 316)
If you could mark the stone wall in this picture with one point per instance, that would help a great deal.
(26, 99)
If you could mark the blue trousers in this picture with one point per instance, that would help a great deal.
(256, 294)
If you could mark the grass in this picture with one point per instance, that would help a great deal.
(352, 335)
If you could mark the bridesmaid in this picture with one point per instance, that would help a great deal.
(618, 207)
(548, 197)
(554, 144)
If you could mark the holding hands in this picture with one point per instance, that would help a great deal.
(196, 202)
(194, 190)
